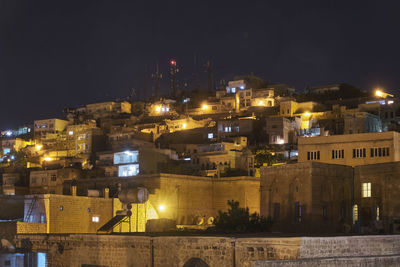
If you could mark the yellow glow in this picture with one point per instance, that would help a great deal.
(204, 106)
(307, 114)
(379, 93)
(38, 147)
(161, 208)
(260, 103)
(184, 126)
(158, 108)
(47, 159)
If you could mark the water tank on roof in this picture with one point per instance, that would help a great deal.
(133, 195)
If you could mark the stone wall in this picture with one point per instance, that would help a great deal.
(145, 251)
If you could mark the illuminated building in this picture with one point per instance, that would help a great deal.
(351, 149)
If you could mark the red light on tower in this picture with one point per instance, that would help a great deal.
(173, 62)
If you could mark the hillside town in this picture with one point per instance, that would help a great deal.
(324, 161)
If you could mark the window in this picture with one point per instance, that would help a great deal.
(379, 152)
(277, 210)
(313, 155)
(126, 157)
(95, 219)
(128, 170)
(297, 211)
(325, 211)
(355, 213)
(53, 177)
(248, 93)
(366, 189)
(210, 135)
(377, 213)
(338, 154)
(61, 208)
(359, 152)
(228, 129)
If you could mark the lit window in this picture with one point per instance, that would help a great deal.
(210, 135)
(242, 87)
(71, 132)
(61, 208)
(166, 109)
(95, 219)
(366, 190)
(128, 170)
(377, 213)
(233, 90)
(129, 156)
(355, 213)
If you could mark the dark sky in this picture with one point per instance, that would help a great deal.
(67, 53)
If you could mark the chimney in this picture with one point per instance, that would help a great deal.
(106, 193)
(73, 190)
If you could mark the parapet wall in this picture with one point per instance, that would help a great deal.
(140, 251)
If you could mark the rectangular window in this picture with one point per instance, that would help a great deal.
(371, 153)
(297, 211)
(128, 170)
(366, 189)
(380, 152)
(342, 153)
(387, 152)
(95, 219)
(277, 210)
(318, 155)
(129, 156)
(377, 213)
(325, 211)
(308, 156)
(53, 177)
(354, 153)
(355, 213)
(333, 154)
(364, 154)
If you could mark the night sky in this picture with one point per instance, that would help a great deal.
(55, 54)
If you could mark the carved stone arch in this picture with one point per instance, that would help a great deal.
(195, 262)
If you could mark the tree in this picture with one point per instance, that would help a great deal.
(266, 155)
(238, 219)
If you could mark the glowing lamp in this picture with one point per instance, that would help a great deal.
(47, 159)
(204, 106)
(379, 93)
(173, 62)
(161, 208)
(260, 103)
(184, 126)
(158, 108)
(307, 114)
(38, 147)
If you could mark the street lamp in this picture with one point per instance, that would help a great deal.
(161, 208)
(380, 93)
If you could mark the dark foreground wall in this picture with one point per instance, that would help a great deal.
(112, 250)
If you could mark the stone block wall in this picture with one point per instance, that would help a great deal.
(173, 251)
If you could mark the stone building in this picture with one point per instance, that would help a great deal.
(308, 197)
(189, 200)
(313, 197)
(351, 149)
(376, 207)
(51, 181)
